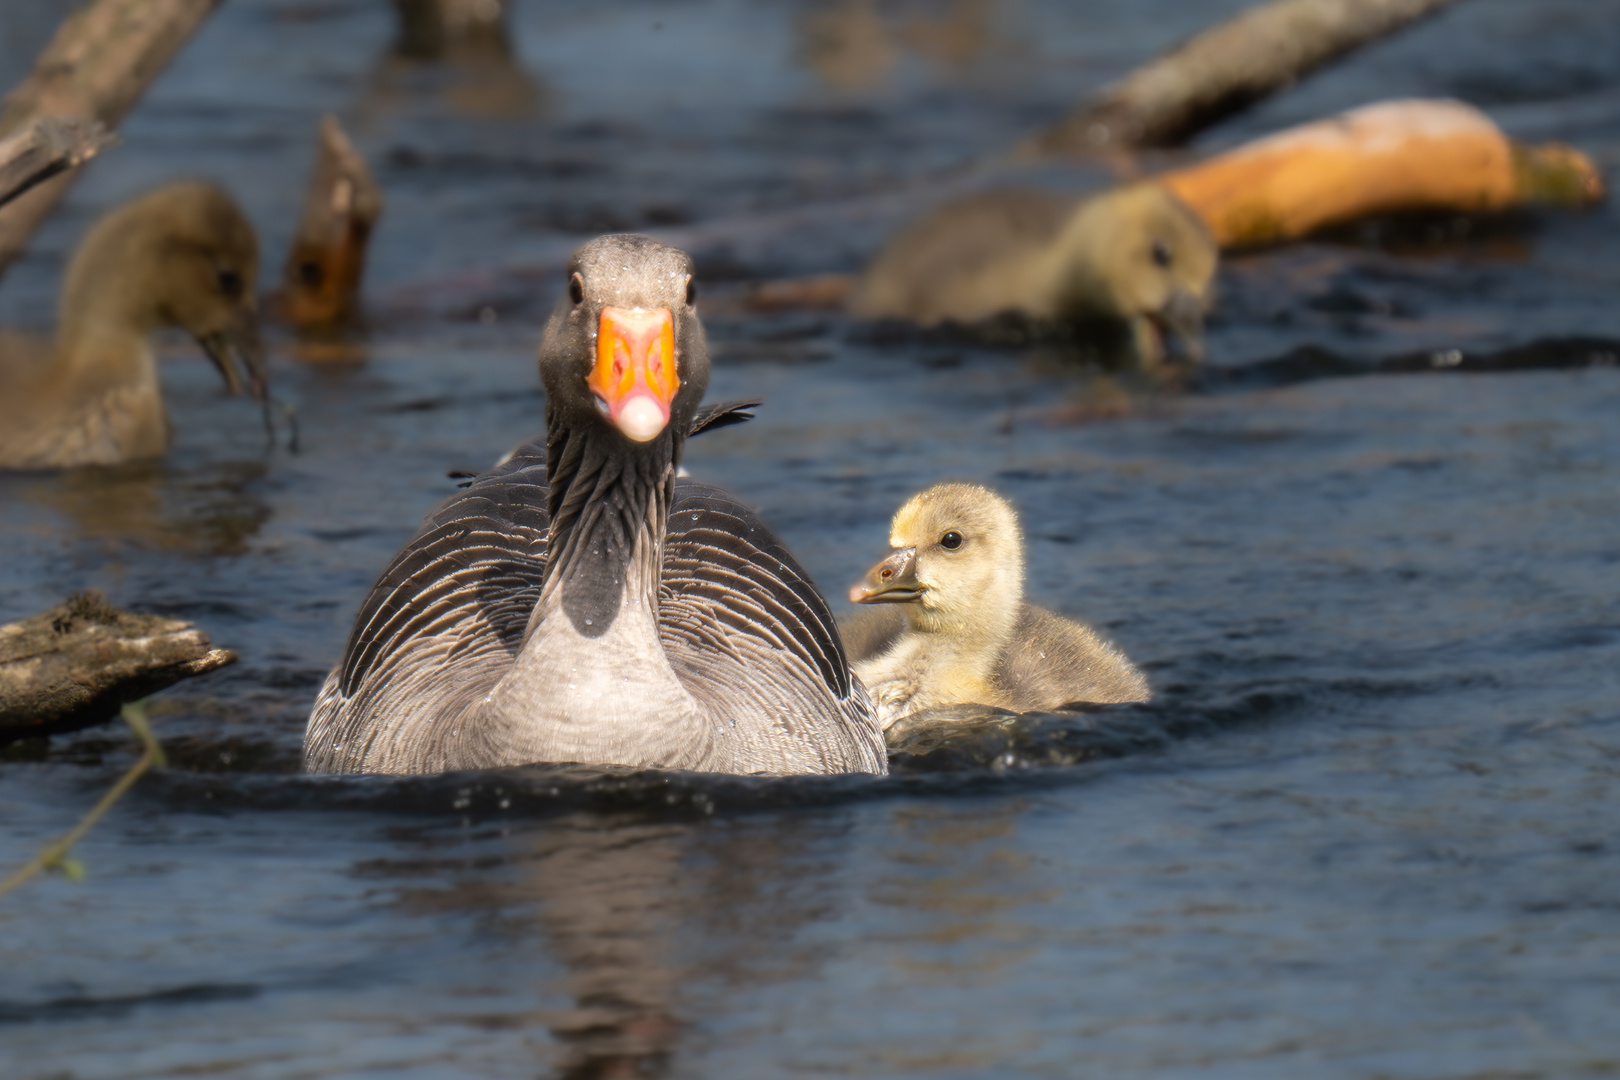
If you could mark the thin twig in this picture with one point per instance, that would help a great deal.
(55, 856)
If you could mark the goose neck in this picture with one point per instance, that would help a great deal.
(591, 681)
(609, 513)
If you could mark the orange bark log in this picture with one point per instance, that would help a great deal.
(1394, 156)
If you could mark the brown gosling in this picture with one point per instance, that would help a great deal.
(184, 255)
(1135, 255)
(965, 634)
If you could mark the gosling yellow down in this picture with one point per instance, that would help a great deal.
(960, 631)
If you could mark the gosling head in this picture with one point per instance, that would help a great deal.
(1141, 255)
(624, 349)
(958, 561)
(184, 255)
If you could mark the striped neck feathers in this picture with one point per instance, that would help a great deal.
(609, 506)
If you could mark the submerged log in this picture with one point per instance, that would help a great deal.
(77, 664)
(321, 284)
(1386, 158)
(96, 67)
(46, 148)
(1224, 70)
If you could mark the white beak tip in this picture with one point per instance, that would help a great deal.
(642, 418)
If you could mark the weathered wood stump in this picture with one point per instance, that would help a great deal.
(321, 284)
(77, 664)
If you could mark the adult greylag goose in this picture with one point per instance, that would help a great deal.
(184, 255)
(1135, 255)
(580, 603)
(965, 635)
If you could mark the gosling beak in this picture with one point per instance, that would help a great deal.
(1178, 328)
(242, 339)
(892, 581)
(634, 379)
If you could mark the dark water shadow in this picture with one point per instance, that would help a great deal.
(976, 751)
(77, 1007)
(1310, 362)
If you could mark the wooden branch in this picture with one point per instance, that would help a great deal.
(96, 68)
(1380, 159)
(46, 148)
(321, 284)
(1224, 70)
(77, 664)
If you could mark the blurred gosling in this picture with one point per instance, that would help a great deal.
(183, 255)
(1135, 255)
(965, 634)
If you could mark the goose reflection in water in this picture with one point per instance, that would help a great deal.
(457, 51)
(159, 506)
(648, 920)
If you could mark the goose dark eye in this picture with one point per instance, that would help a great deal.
(230, 283)
(691, 292)
(1161, 255)
(576, 289)
(951, 540)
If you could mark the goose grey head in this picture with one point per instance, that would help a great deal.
(624, 348)
(958, 555)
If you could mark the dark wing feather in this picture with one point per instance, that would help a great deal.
(750, 635)
(457, 597)
(722, 414)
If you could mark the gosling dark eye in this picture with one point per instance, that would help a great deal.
(230, 283)
(951, 540)
(1161, 256)
(691, 292)
(576, 289)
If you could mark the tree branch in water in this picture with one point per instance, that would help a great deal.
(46, 148)
(96, 68)
(1224, 70)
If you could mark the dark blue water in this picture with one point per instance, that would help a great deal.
(1366, 829)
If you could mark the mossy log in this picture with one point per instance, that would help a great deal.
(1223, 70)
(77, 664)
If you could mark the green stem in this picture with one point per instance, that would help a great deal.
(55, 856)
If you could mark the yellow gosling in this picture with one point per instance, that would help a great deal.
(960, 631)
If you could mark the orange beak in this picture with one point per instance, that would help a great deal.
(634, 379)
